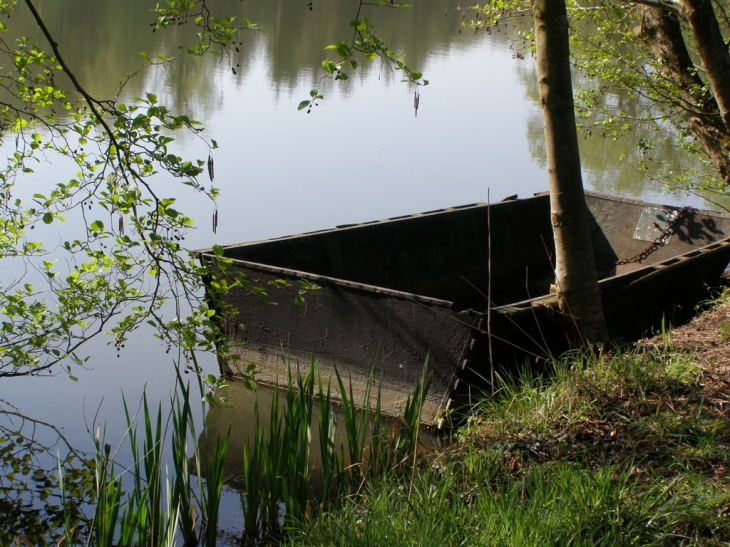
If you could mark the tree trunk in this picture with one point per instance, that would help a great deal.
(712, 50)
(662, 32)
(575, 267)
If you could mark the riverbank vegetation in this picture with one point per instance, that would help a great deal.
(622, 448)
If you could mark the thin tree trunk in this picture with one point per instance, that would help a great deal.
(575, 266)
(712, 50)
(662, 32)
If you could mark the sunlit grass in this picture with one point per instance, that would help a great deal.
(613, 448)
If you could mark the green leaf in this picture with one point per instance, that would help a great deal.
(217, 250)
(304, 104)
(144, 55)
(48, 217)
(343, 50)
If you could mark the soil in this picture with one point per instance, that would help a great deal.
(707, 339)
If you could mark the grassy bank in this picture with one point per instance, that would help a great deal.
(624, 448)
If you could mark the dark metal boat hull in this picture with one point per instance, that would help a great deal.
(394, 291)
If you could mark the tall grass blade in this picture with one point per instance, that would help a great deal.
(327, 432)
(252, 500)
(214, 475)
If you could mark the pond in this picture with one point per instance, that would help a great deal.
(361, 154)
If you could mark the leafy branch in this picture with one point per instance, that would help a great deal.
(129, 259)
(363, 42)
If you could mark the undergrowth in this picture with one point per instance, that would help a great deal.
(617, 448)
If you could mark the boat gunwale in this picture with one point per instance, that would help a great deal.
(637, 273)
(341, 282)
(633, 201)
(344, 227)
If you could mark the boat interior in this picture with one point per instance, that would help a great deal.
(447, 254)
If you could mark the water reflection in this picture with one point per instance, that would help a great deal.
(237, 413)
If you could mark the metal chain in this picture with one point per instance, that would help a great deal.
(664, 236)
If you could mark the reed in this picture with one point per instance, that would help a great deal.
(274, 466)
(181, 425)
(327, 441)
(356, 431)
(141, 506)
(276, 463)
(157, 510)
(253, 499)
(213, 485)
(146, 473)
(297, 437)
(109, 492)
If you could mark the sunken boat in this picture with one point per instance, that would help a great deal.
(395, 292)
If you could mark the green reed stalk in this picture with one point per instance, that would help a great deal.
(274, 464)
(152, 459)
(109, 493)
(173, 516)
(327, 431)
(152, 525)
(182, 490)
(252, 500)
(215, 466)
(356, 428)
(69, 530)
(378, 449)
(298, 439)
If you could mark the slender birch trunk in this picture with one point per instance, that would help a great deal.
(575, 267)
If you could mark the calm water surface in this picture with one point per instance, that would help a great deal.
(360, 155)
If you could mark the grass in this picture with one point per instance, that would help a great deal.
(619, 448)
(145, 504)
(624, 447)
(279, 493)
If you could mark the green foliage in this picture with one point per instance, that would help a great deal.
(276, 463)
(366, 43)
(127, 258)
(214, 34)
(620, 89)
